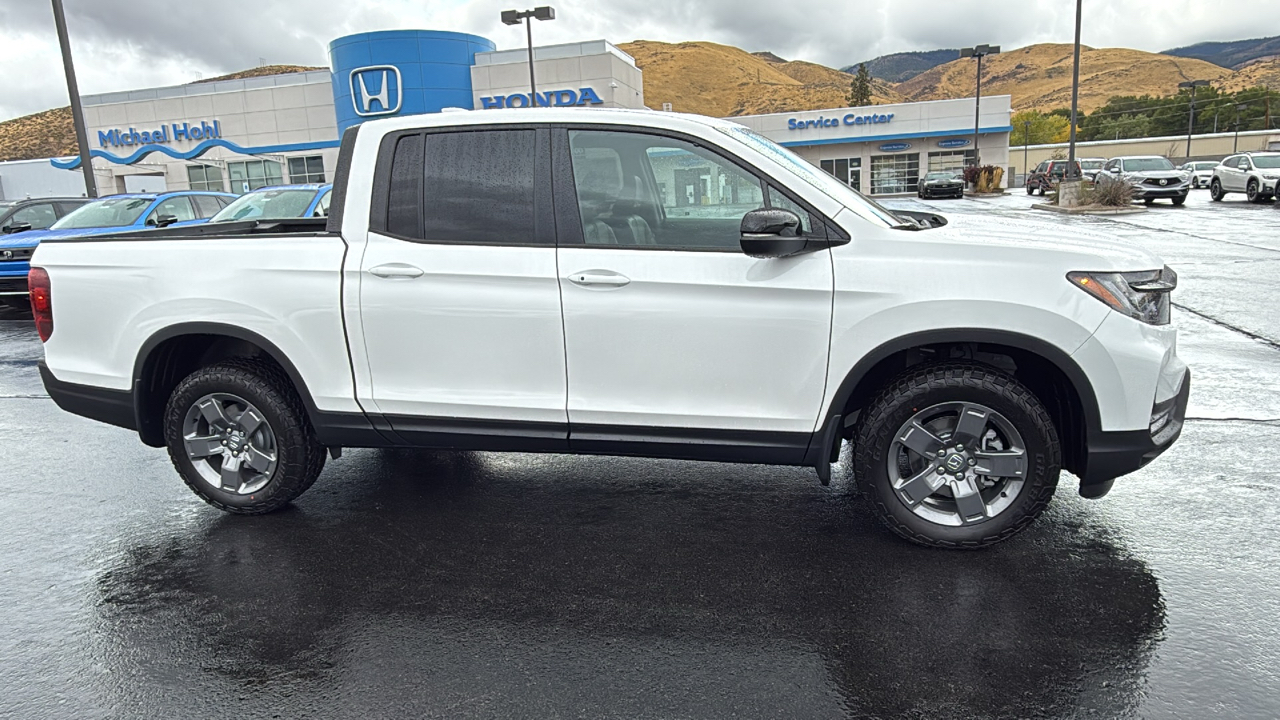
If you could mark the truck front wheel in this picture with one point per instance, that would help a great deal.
(956, 455)
(240, 438)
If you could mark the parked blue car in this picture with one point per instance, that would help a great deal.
(114, 213)
(279, 202)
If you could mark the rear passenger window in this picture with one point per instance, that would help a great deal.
(206, 205)
(473, 187)
(479, 187)
(404, 200)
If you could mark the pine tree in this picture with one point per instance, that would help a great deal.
(860, 88)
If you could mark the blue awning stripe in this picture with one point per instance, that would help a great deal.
(195, 152)
(902, 136)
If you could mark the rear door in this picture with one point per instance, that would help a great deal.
(458, 294)
(678, 343)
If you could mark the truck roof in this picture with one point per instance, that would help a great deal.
(615, 116)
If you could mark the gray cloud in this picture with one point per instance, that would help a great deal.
(145, 43)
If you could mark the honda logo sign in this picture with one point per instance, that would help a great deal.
(376, 90)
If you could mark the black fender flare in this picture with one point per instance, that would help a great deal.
(1055, 355)
(148, 431)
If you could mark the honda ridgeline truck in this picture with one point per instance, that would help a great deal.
(623, 283)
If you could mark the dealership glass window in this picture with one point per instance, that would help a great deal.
(254, 174)
(950, 160)
(205, 177)
(656, 191)
(308, 169)
(898, 173)
(846, 170)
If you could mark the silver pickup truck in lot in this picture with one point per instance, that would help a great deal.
(623, 282)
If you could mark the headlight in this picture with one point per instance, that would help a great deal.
(1140, 295)
(1270, 176)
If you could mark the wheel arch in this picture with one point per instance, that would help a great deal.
(176, 351)
(1056, 379)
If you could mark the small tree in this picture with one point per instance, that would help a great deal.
(860, 88)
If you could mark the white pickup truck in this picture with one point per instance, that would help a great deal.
(623, 283)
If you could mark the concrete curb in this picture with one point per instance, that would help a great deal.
(1089, 210)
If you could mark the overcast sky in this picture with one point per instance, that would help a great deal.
(129, 44)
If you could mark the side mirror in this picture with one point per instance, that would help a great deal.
(165, 220)
(16, 228)
(772, 233)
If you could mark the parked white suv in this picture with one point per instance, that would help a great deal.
(628, 283)
(1254, 174)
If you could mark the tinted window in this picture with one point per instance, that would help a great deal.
(479, 187)
(651, 190)
(404, 199)
(38, 217)
(178, 207)
(206, 205)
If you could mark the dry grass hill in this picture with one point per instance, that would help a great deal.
(1260, 72)
(724, 81)
(51, 133)
(1039, 76)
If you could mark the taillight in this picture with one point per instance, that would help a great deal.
(41, 301)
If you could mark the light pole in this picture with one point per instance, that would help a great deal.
(77, 113)
(1235, 144)
(1072, 173)
(1191, 116)
(513, 17)
(979, 52)
(1026, 140)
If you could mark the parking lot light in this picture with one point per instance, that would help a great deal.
(1191, 116)
(979, 52)
(513, 17)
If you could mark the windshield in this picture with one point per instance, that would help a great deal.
(1146, 164)
(1266, 161)
(267, 205)
(864, 206)
(1206, 165)
(1092, 164)
(940, 176)
(112, 212)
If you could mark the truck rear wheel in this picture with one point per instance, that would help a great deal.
(956, 455)
(239, 437)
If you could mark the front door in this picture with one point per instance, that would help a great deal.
(677, 343)
(458, 291)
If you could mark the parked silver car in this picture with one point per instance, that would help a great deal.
(1254, 174)
(1150, 176)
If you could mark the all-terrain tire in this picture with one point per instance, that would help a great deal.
(300, 458)
(924, 386)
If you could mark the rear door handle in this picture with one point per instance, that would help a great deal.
(598, 278)
(396, 270)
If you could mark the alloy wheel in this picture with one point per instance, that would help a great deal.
(230, 443)
(957, 463)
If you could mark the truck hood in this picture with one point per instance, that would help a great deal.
(1068, 243)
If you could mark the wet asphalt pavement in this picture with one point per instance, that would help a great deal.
(419, 584)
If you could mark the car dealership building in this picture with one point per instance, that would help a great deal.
(239, 135)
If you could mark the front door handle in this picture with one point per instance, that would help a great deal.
(396, 270)
(598, 278)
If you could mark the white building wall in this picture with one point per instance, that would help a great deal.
(252, 113)
(37, 178)
(598, 64)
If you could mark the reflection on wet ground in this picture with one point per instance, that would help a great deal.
(550, 586)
